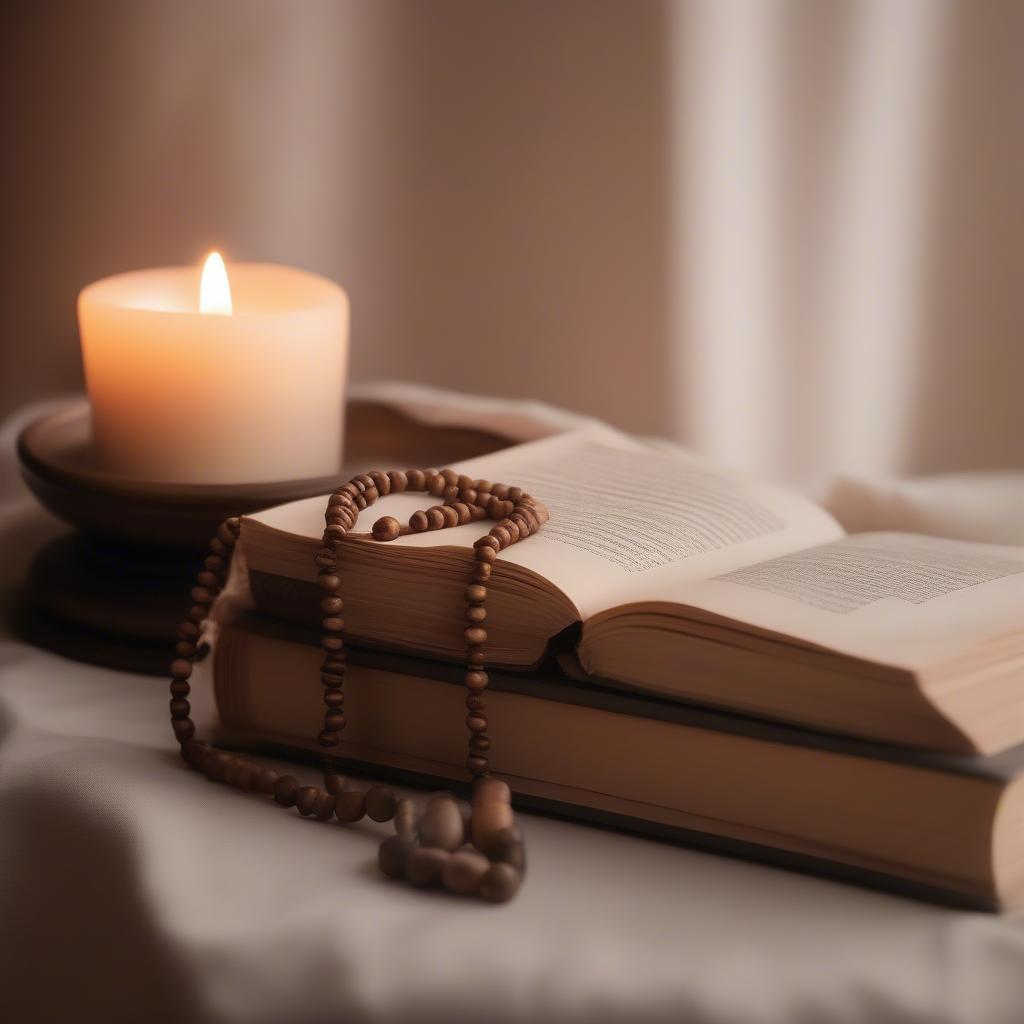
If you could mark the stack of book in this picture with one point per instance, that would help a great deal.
(681, 652)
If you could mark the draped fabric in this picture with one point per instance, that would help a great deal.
(786, 233)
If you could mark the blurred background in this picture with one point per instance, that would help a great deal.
(789, 234)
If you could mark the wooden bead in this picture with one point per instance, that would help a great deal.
(511, 528)
(436, 486)
(332, 643)
(181, 668)
(475, 614)
(423, 866)
(285, 789)
(218, 763)
(474, 702)
(487, 556)
(476, 593)
(451, 517)
(475, 658)
(226, 535)
(399, 481)
(184, 729)
(475, 636)
(441, 824)
(476, 722)
(393, 853)
(334, 697)
(507, 846)
(499, 490)
(332, 606)
(490, 541)
(326, 559)
(405, 818)
(450, 495)
(213, 563)
(180, 707)
(198, 612)
(501, 535)
(329, 581)
(435, 518)
(488, 820)
(192, 752)
(188, 631)
(463, 872)
(180, 688)
(479, 743)
(450, 477)
(462, 512)
(416, 479)
(418, 522)
(491, 791)
(328, 738)
(386, 528)
(381, 481)
(334, 662)
(266, 780)
(185, 649)
(483, 499)
(305, 799)
(210, 580)
(500, 883)
(481, 572)
(477, 764)
(334, 783)
(334, 534)
(217, 547)
(476, 680)
(380, 803)
(333, 623)
(468, 495)
(323, 809)
(335, 720)
(350, 806)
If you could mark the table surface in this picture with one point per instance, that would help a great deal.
(133, 889)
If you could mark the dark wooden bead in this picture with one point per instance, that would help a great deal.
(198, 612)
(323, 809)
(334, 662)
(185, 649)
(266, 780)
(370, 495)
(441, 824)
(418, 521)
(180, 688)
(475, 702)
(500, 883)
(188, 631)
(399, 481)
(483, 485)
(335, 720)
(179, 707)
(350, 805)
(335, 784)
(334, 534)
(488, 822)
(192, 752)
(507, 846)
(476, 680)
(435, 518)
(386, 528)
(305, 799)
(480, 743)
(463, 872)
(475, 614)
(491, 791)
(365, 480)
(477, 764)
(393, 853)
(213, 563)
(423, 866)
(416, 479)
(184, 728)
(475, 658)
(327, 560)
(405, 818)
(226, 535)
(476, 722)
(334, 697)
(332, 679)
(332, 643)
(285, 789)
(476, 593)
(380, 803)
(333, 624)
(209, 580)
(332, 606)
(475, 636)
(217, 547)
(329, 581)
(328, 738)
(181, 668)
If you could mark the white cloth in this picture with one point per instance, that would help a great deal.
(131, 889)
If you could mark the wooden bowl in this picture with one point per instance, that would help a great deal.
(59, 466)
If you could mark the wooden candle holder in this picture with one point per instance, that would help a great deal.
(109, 591)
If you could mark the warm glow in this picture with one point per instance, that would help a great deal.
(214, 290)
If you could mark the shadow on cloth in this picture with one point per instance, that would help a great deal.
(75, 941)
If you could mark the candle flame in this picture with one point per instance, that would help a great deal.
(214, 290)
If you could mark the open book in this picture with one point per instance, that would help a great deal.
(693, 583)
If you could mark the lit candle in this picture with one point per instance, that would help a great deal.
(237, 379)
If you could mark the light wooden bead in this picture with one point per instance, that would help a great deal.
(468, 495)
(386, 528)
(476, 722)
(332, 606)
(441, 824)
(451, 517)
(488, 555)
(451, 477)
(399, 481)
(463, 512)
(476, 680)
(418, 521)
(476, 636)
(416, 479)
(491, 791)
(381, 481)
(481, 572)
(511, 527)
(500, 883)
(499, 490)
(483, 485)
(450, 494)
(405, 818)
(463, 872)
(329, 581)
(476, 614)
(436, 486)
(476, 593)
(435, 518)
(393, 854)
(501, 535)
(380, 803)
(475, 658)
(423, 866)
(489, 820)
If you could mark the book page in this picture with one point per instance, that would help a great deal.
(903, 599)
(624, 517)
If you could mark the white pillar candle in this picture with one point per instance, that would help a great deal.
(249, 388)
